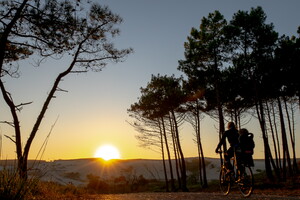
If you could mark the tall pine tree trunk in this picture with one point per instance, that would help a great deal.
(169, 155)
(261, 119)
(292, 138)
(285, 147)
(183, 170)
(277, 135)
(273, 135)
(200, 153)
(163, 157)
(175, 153)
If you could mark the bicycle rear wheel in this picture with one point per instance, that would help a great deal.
(225, 183)
(246, 182)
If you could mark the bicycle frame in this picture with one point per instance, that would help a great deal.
(241, 175)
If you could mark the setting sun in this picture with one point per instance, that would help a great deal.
(107, 152)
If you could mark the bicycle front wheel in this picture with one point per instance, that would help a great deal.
(225, 184)
(246, 182)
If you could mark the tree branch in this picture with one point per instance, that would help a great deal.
(20, 106)
(61, 90)
(9, 123)
(10, 138)
(77, 71)
(48, 99)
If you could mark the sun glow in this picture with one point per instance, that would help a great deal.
(107, 152)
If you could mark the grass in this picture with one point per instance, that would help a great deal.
(52, 190)
(13, 187)
(262, 183)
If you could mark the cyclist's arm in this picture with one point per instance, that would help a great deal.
(221, 142)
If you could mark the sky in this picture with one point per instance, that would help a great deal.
(94, 110)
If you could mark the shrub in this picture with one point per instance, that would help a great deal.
(97, 185)
(52, 190)
(12, 186)
(73, 175)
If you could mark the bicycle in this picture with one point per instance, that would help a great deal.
(241, 175)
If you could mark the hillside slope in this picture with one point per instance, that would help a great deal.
(76, 171)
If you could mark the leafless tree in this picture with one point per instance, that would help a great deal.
(53, 28)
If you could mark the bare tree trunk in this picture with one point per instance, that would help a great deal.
(221, 131)
(285, 148)
(200, 152)
(294, 139)
(22, 164)
(236, 119)
(179, 161)
(163, 156)
(205, 184)
(8, 29)
(277, 137)
(183, 170)
(175, 153)
(295, 168)
(177, 164)
(200, 166)
(299, 100)
(273, 135)
(169, 156)
(261, 118)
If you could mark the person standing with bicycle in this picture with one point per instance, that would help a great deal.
(232, 136)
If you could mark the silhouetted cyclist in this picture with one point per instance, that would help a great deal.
(232, 136)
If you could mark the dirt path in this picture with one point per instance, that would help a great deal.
(185, 196)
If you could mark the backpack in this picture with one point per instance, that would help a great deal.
(247, 146)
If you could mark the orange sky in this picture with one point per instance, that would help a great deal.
(93, 111)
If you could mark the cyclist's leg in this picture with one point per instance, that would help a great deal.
(228, 155)
(240, 166)
(225, 181)
(240, 172)
(246, 182)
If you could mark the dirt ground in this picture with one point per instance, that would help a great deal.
(258, 195)
(189, 196)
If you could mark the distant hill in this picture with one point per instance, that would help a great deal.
(76, 171)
